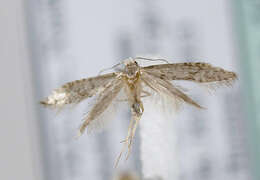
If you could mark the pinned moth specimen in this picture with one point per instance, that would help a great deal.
(132, 80)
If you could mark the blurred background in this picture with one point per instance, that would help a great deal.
(46, 43)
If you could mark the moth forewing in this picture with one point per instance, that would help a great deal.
(198, 72)
(76, 91)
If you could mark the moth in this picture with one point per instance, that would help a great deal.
(133, 79)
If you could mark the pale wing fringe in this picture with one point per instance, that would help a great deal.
(165, 87)
(213, 86)
(103, 101)
(76, 91)
(198, 72)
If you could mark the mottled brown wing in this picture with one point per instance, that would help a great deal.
(76, 91)
(197, 72)
(103, 101)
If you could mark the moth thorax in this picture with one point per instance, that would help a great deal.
(131, 69)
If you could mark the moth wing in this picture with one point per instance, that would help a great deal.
(202, 73)
(168, 93)
(76, 91)
(103, 106)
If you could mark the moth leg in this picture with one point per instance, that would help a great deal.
(129, 131)
(132, 136)
(130, 127)
(137, 111)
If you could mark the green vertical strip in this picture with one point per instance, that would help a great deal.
(247, 19)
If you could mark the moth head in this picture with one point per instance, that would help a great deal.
(131, 68)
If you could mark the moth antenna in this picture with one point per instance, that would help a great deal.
(152, 59)
(106, 69)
